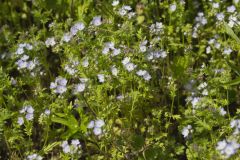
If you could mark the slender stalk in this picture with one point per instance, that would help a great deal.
(46, 138)
(72, 8)
(228, 107)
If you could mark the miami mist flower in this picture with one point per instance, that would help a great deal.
(79, 26)
(59, 86)
(128, 65)
(67, 37)
(20, 121)
(114, 71)
(143, 47)
(101, 78)
(97, 21)
(186, 131)
(26, 111)
(34, 157)
(231, 9)
(236, 125)
(173, 7)
(220, 16)
(115, 3)
(144, 74)
(124, 10)
(50, 42)
(107, 47)
(73, 148)
(96, 126)
(80, 87)
(22, 47)
(227, 147)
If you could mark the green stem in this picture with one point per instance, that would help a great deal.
(46, 139)
(72, 8)
(228, 106)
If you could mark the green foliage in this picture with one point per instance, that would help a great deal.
(101, 79)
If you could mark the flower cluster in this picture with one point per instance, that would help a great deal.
(201, 19)
(79, 26)
(186, 131)
(129, 66)
(115, 3)
(28, 112)
(96, 126)
(73, 148)
(235, 124)
(126, 10)
(24, 62)
(227, 147)
(80, 87)
(109, 46)
(134, 66)
(144, 74)
(59, 86)
(34, 157)
(173, 7)
(96, 21)
(195, 101)
(222, 111)
(22, 47)
(50, 42)
(202, 87)
(158, 27)
(71, 67)
(153, 55)
(143, 47)
(114, 70)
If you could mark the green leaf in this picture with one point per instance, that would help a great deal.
(137, 142)
(140, 33)
(233, 67)
(71, 122)
(203, 124)
(140, 19)
(179, 66)
(49, 147)
(233, 82)
(61, 115)
(61, 121)
(231, 33)
(176, 116)
(151, 153)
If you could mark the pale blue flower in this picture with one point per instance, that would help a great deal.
(173, 7)
(99, 123)
(50, 42)
(79, 88)
(91, 124)
(29, 116)
(231, 9)
(220, 16)
(97, 131)
(101, 78)
(34, 157)
(96, 21)
(114, 71)
(67, 37)
(227, 147)
(20, 121)
(187, 130)
(115, 3)
(77, 27)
